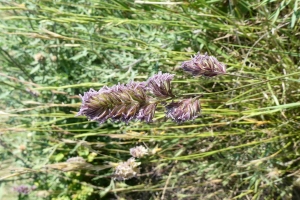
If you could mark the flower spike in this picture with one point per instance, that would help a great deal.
(203, 65)
(160, 85)
(118, 103)
(184, 110)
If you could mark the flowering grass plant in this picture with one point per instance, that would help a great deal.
(161, 124)
(132, 101)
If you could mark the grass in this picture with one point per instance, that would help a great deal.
(245, 145)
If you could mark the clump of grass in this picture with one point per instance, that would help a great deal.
(244, 145)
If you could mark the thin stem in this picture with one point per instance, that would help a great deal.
(241, 76)
(259, 82)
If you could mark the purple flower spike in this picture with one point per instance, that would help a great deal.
(184, 110)
(160, 85)
(118, 103)
(203, 65)
(147, 112)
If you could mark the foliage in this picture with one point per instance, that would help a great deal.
(244, 145)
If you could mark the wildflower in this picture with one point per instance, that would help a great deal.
(126, 170)
(138, 151)
(184, 110)
(204, 65)
(160, 85)
(24, 189)
(118, 103)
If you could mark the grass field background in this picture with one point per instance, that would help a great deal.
(245, 144)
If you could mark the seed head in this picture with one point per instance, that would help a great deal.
(127, 170)
(138, 151)
(184, 110)
(160, 85)
(203, 65)
(118, 103)
(147, 112)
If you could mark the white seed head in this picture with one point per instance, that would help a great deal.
(138, 151)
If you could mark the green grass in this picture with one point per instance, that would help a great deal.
(245, 145)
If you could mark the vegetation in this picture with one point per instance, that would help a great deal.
(244, 145)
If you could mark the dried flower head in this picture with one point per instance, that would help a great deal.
(204, 65)
(138, 151)
(127, 170)
(118, 103)
(184, 110)
(160, 85)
